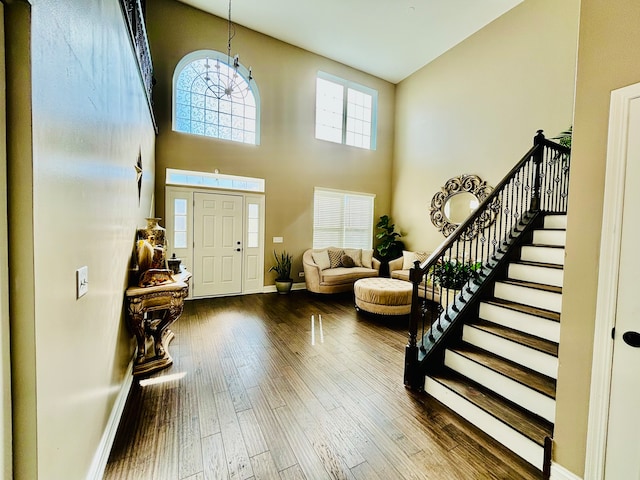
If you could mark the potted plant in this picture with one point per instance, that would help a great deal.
(452, 275)
(282, 268)
(564, 138)
(389, 247)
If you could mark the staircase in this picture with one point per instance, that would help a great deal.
(501, 374)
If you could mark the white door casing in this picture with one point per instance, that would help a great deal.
(253, 259)
(614, 426)
(180, 221)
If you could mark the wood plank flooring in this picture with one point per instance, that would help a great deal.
(258, 391)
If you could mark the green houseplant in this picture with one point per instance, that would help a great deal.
(564, 138)
(389, 247)
(282, 268)
(454, 274)
(451, 276)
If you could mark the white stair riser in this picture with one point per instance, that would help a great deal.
(513, 440)
(529, 296)
(532, 273)
(550, 237)
(555, 221)
(542, 255)
(528, 357)
(538, 326)
(516, 392)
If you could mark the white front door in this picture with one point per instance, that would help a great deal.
(622, 459)
(217, 244)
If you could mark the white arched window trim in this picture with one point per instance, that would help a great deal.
(223, 58)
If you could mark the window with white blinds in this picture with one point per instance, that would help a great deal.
(342, 219)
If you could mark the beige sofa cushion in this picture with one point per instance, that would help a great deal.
(355, 254)
(321, 257)
(401, 275)
(367, 258)
(342, 275)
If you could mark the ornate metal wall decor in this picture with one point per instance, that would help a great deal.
(134, 14)
(471, 184)
(138, 167)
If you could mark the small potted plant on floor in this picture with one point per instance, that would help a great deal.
(282, 268)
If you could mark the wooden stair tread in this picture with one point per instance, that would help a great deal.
(516, 336)
(553, 266)
(528, 424)
(518, 373)
(535, 286)
(518, 307)
(543, 245)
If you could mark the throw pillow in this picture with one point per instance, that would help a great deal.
(321, 257)
(367, 258)
(422, 256)
(347, 261)
(355, 254)
(335, 255)
(408, 258)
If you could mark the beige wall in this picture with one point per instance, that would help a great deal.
(20, 216)
(5, 373)
(289, 157)
(475, 109)
(75, 138)
(607, 59)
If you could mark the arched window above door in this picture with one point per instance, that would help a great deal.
(215, 96)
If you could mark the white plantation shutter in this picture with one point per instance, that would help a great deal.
(342, 219)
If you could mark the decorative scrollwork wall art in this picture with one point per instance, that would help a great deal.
(456, 200)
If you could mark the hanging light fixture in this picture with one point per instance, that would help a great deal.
(224, 79)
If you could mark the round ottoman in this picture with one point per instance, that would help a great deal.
(384, 296)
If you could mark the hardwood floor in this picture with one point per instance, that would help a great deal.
(258, 391)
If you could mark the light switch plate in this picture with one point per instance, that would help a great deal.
(82, 281)
(278, 239)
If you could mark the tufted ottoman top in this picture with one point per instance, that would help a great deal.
(383, 291)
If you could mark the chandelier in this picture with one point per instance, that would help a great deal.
(226, 79)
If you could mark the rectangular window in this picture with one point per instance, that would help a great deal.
(253, 225)
(213, 180)
(180, 223)
(345, 112)
(342, 219)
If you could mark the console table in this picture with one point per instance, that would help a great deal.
(150, 313)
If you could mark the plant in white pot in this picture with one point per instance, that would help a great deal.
(282, 268)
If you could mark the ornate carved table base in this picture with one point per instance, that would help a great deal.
(150, 313)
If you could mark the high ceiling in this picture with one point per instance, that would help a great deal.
(390, 39)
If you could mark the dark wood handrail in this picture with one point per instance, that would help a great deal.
(455, 235)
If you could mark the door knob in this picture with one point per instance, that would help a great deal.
(631, 338)
(237, 249)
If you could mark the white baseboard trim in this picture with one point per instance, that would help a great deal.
(101, 457)
(560, 473)
(295, 286)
